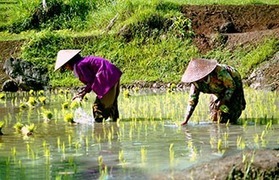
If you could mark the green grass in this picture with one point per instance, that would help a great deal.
(245, 59)
(149, 40)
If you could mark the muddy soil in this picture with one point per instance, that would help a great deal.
(242, 24)
(260, 164)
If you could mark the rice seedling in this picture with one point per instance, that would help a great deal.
(69, 118)
(47, 115)
(143, 153)
(18, 126)
(126, 93)
(28, 129)
(61, 91)
(263, 140)
(121, 157)
(220, 146)
(102, 167)
(109, 137)
(65, 105)
(69, 140)
(1, 127)
(104, 173)
(42, 100)
(28, 148)
(30, 153)
(224, 108)
(41, 92)
(212, 142)
(86, 143)
(32, 92)
(63, 148)
(256, 140)
(13, 151)
(225, 138)
(2, 96)
(58, 142)
(46, 152)
(77, 146)
(136, 89)
(240, 143)
(193, 151)
(171, 154)
(32, 101)
(75, 104)
(23, 105)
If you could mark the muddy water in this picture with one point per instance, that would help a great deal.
(144, 143)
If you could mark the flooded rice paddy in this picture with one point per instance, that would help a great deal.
(147, 140)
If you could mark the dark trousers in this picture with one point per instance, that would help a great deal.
(107, 106)
(236, 105)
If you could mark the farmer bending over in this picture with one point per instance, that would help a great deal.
(99, 75)
(222, 82)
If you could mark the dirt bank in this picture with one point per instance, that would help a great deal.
(260, 163)
(242, 24)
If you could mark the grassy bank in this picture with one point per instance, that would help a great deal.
(148, 40)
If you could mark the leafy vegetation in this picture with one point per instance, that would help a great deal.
(148, 40)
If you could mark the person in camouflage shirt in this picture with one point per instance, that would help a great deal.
(224, 84)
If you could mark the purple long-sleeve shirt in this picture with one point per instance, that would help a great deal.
(98, 74)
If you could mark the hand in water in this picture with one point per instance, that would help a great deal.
(80, 95)
(184, 122)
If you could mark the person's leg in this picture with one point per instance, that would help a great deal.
(236, 105)
(114, 114)
(98, 109)
(109, 103)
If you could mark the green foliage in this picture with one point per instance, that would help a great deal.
(69, 117)
(43, 47)
(2, 95)
(15, 12)
(58, 14)
(2, 124)
(258, 55)
(148, 40)
(244, 59)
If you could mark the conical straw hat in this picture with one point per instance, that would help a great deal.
(63, 56)
(198, 69)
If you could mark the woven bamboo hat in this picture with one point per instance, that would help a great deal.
(198, 69)
(63, 56)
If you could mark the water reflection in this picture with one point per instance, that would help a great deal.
(139, 146)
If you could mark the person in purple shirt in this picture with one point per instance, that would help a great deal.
(99, 75)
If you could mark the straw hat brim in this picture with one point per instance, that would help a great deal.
(63, 56)
(198, 69)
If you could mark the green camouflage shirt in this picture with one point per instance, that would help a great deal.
(220, 82)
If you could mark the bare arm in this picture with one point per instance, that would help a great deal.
(192, 103)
